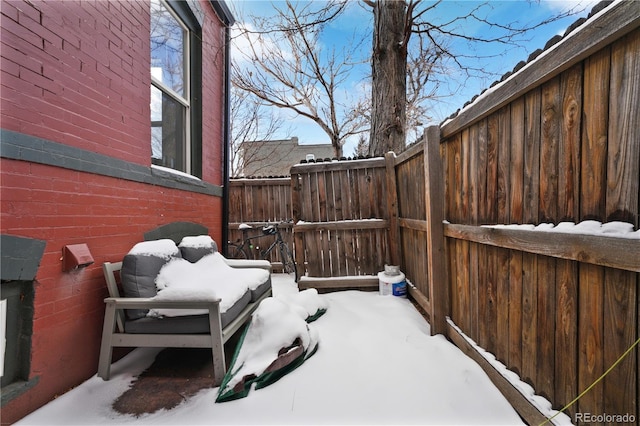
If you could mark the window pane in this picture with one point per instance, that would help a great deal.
(168, 119)
(168, 39)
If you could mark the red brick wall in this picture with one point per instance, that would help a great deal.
(77, 73)
(213, 86)
(109, 215)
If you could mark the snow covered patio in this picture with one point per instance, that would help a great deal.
(376, 364)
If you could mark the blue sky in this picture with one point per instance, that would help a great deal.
(358, 20)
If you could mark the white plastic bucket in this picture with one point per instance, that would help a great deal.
(392, 282)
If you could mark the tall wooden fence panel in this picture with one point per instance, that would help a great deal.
(341, 215)
(559, 143)
(416, 216)
(257, 202)
(412, 216)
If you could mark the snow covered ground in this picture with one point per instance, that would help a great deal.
(376, 364)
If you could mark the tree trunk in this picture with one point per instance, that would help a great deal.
(337, 146)
(389, 63)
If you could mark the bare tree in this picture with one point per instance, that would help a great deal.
(362, 148)
(284, 66)
(251, 122)
(396, 23)
(426, 73)
(389, 76)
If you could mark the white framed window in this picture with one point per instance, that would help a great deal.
(171, 109)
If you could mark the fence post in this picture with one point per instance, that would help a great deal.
(298, 239)
(392, 207)
(436, 259)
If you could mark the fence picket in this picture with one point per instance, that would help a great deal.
(590, 337)
(529, 317)
(623, 166)
(569, 149)
(546, 327)
(550, 135)
(566, 349)
(515, 311)
(594, 136)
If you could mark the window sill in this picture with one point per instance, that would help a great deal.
(15, 389)
(167, 173)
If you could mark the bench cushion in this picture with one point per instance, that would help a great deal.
(141, 266)
(210, 278)
(257, 292)
(257, 289)
(195, 248)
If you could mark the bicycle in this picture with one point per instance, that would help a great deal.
(238, 249)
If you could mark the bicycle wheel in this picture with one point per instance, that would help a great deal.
(288, 264)
(236, 252)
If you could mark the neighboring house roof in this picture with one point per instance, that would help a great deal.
(275, 157)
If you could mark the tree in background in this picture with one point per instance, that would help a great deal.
(420, 52)
(389, 76)
(251, 121)
(362, 149)
(403, 26)
(283, 66)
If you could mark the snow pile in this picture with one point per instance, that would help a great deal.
(274, 326)
(307, 304)
(210, 278)
(277, 341)
(199, 241)
(587, 227)
(175, 172)
(165, 249)
(542, 404)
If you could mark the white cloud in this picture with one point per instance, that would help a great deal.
(245, 38)
(564, 5)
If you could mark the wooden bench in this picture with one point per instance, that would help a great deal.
(114, 334)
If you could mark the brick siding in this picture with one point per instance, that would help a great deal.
(77, 74)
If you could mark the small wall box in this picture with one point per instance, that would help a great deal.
(75, 256)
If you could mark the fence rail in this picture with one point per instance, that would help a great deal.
(611, 251)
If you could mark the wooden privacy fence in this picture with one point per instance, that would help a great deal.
(257, 202)
(342, 220)
(416, 224)
(558, 142)
(353, 217)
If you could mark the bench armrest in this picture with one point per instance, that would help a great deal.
(150, 303)
(244, 263)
